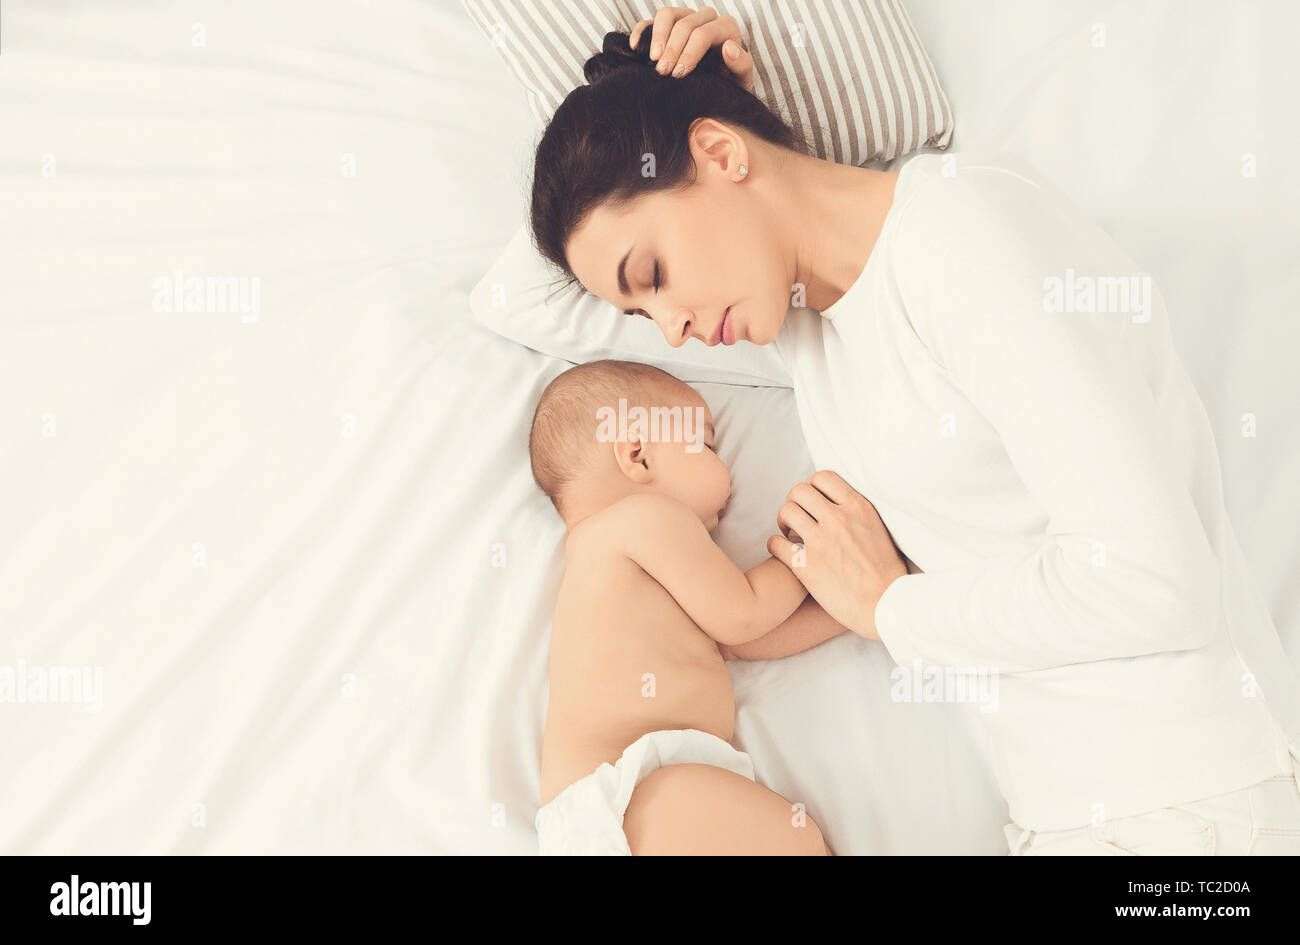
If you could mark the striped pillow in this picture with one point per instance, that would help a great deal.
(851, 73)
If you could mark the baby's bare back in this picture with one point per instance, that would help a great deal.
(625, 660)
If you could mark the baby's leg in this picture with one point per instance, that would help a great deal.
(700, 810)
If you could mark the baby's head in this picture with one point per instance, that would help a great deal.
(610, 429)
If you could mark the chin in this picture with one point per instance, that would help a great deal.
(760, 335)
(765, 330)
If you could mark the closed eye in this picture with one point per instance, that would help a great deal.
(658, 283)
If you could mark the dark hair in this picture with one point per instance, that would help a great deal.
(594, 146)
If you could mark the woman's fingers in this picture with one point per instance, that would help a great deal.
(739, 61)
(833, 487)
(682, 30)
(634, 37)
(679, 38)
(664, 20)
(811, 501)
(725, 32)
(792, 517)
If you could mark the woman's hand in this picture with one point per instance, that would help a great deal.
(680, 37)
(849, 558)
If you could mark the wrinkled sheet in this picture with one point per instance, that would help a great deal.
(304, 548)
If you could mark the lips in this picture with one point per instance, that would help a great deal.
(725, 333)
(728, 330)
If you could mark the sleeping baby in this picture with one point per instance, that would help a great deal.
(637, 755)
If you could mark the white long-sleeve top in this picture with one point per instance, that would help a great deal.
(1022, 422)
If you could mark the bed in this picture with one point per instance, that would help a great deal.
(299, 540)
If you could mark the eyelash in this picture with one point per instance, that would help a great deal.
(642, 312)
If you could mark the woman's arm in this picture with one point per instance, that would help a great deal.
(1124, 567)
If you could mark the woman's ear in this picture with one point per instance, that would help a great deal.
(633, 461)
(719, 146)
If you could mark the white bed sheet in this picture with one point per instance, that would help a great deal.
(229, 722)
(348, 670)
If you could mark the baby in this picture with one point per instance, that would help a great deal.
(637, 755)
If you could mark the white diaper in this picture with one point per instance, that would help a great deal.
(586, 818)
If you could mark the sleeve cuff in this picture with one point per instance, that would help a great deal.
(891, 625)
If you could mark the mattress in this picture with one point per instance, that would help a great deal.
(298, 539)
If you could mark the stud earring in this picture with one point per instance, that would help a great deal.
(743, 170)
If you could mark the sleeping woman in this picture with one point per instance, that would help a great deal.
(1048, 467)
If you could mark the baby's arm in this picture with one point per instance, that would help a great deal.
(803, 630)
(672, 545)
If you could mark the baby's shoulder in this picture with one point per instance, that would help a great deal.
(610, 526)
(601, 551)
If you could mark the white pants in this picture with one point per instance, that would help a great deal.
(1261, 820)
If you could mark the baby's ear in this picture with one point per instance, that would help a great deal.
(631, 456)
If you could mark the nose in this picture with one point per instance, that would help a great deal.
(677, 329)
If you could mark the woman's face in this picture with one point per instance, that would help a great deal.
(702, 262)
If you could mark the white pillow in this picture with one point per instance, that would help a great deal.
(519, 299)
(853, 76)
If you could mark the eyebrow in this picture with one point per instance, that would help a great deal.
(622, 272)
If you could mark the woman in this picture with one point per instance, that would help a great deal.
(1038, 449)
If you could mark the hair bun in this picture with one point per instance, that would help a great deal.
(616, 54)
